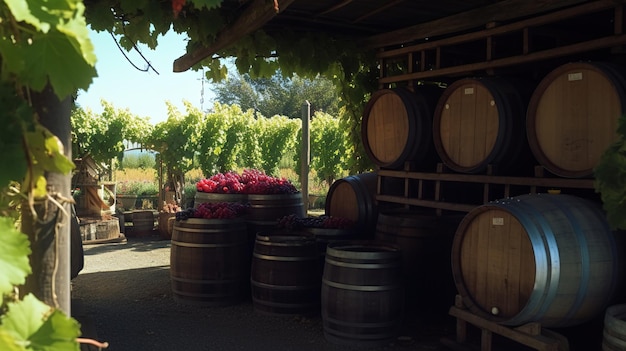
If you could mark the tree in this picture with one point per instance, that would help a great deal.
(278, 95)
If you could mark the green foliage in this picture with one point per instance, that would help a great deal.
(14, 251)
(47, 46)
(275, 136)
(102, 135)
(328, 147)
(142, 160)
(278, 95)
(41, 46)
(34, 325)
(610, 179)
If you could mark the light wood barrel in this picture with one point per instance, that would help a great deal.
(573, 117)
(541, 258)
(397, 127)
(480, 122)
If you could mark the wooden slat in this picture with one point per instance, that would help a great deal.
(500, 11)
(426, 203)
(586, 46)
(503, 29)
(478, 178)
(257, 14)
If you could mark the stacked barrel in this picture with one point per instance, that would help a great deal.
(531, 258)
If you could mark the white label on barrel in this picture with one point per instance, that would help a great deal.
(468, 91)
(575, 76)
(497, 221)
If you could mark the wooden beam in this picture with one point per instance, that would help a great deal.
(382, 8)
(335, 7)
(500, 11)
(257, 14)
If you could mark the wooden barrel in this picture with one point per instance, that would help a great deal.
(614, 333)
(265, 210)
(573, 116)
(165, 225)
(541, 258)
(424, 241)
(143, 223)
(285, 278)
(354, 198)
(397, 127)
(480, 122)
(362, 294)
(210, 261)
(325, 236)
(202, 197)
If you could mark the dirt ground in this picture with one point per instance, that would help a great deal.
(123, 296)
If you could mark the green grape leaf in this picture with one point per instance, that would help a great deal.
(55, 57)
(8, 342)
(37, 326)
(47, 150)
(14, 251)
(12, 116)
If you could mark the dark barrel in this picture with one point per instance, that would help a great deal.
(362, 293)
(543, 258)
(210, 261)
(265, 210)
(285, 275)
(424, 240)
(354, 198)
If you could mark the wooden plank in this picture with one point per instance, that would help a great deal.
(426, 203)
(257, 14)
(523, 25)
(498, 12)
(478, 178)
(599, 43)
(537, 342)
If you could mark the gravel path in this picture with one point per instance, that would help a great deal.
(124, 290)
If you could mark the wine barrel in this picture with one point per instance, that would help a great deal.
(397, 127)
(265, 210)
(541, 258)
(354, 198)
(201, 197)
(424, 240)
(573, 116)
(285, 277)
(614, 333)
(143, 223)
(209, 261)
(480, 122)
(362, 293)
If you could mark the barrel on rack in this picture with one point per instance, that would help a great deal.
(397, 127)
(210, 261)
(285, 278)
(541, 258)
(362, 293)
(354, 198)
(480, 122)
(573, 116)
(424, 240)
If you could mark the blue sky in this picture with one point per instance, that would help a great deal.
(143, 93)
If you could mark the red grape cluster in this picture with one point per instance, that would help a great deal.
(222, 183)
(293, 222)
(251, 181)
(219, 210)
